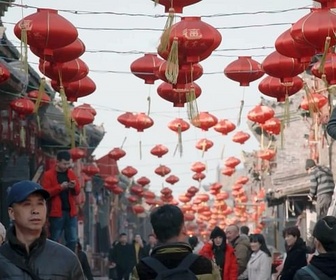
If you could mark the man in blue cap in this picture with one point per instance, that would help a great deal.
(28, 254)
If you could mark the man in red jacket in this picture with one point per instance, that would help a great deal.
(63, 186)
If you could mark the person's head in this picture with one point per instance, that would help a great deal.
(193, 241)
(27, 206)
(325, 234)
(123, 238)
(2, 233)
(232, 232)
(138, 238)
(310, 164)
(257, 242)
(168, 223)
(244, 230)
(63, 161)
(218, 236)
(291, 235)
(151, 239)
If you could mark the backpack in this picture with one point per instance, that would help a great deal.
(181, 272)
(311, 272)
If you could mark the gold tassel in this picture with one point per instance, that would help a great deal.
(324, 56)
(66, 110)
(262, 138)
(40, 94)
(222, 153)
(240, 111)
(149, 104)
(203, 148)
(72, 134)
(23, 136)
(140, 149)
(123, 142)
(172, 69)
(282, 127)
(287, 111)
(179, 139)
(164, 40)
(192, 108)
(24, 49)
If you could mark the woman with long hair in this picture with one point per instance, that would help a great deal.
(259, 266)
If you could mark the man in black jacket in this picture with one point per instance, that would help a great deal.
(28, 254)
(323, 265)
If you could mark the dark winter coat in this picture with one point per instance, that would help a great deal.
(123, 256)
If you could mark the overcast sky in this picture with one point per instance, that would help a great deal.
(108, 57)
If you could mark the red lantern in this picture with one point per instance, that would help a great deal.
(132, 198)
(193, 190)
(64, 54)
(129, 171)
(242, 180)
(198, 176)
(111, 180)
(282, 67)
(34, 95)
(149, 195)
(273, 87)
(143, 181)
(287, 46)
(232, 162)
(70, 71)
(179, 96)
(162, 170)
(177, 5)
(329, 70)
(137, 190)
(204, 144)
(272, 126)
(76, 89)
(159, 150)
(228, 171)
(90, 170)
(216, 186)
(82, 116)
(314, 101)
(46, 30)
(4, 73)
(138, 209)
(22, 106)
(327, 3)
(241, 137)
(178, 125)
(222, 196)
(172, 179)
(126, 119)
(145, 66)
(204, 121)
(244, 70)
(260, 114)
(224, 126)
(117, 190)
(198, 167)
(116, 154)
(77, 153)
(314, 28)
(266, 154)
(141, 122)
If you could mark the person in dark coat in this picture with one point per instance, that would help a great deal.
(296, 253)
(84, 261)
(147, 250)
(322, 265)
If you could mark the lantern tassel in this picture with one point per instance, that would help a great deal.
(164, 40)
(140, 149)
(324, 56)
(262, 138)
(24, 49)
(23, 136)
(179, 139)
(240, 112)
(123, 142)
(72, 134)
(203, 148)
(282, 125)
(222, 153)
(172, 69)
(40, 94)
(66, 110)
(149, 104)
(192, 108)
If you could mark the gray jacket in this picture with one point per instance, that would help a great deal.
(48, 259)
(321, 181)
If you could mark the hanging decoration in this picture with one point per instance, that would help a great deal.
(272, 126)
(162, 170)
(224, 126)
(179, 125)
(204, 121)
(328, 71)
(77, 153)
(143, 181)
(129, 171)
(159, 150)
(141, 121)
(145, 67)
(198, 167)
(204, 145)
(4, 74)
(232, 162)
(172, 179)
(241, 137)
(126, 119)
(260, 114)
(177, 5)
(116, 154)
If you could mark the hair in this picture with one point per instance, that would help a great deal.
(235, 227)
(63, 155)
(244, 230)
(79, 246)
(291, 231)
(193, 241)
(261, 240)
(151, 234)
(167, 222)
(122, 234)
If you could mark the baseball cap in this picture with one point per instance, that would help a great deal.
(21, 190)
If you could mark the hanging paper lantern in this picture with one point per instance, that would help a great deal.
(137, 190)
(282, 67)
(111, 180)
(198, 167)
(143, 181)
(273, 87)
(77, 153)
(327, 3)
(314, 102)
(132, 199)
(162, 170)
(141, 121)
(242, 180)
(82, 116)
(70, 71)
(172, 179)
(328, 71)
(228, 171)
(64, 54)
(116, 154)
(144, 67)
(181, 95)
(241, 137)
(4, 74)
(204, 121)
(166, 191)
(244, 70)
(287, 46)
(46, 30)
(159, 150)
(272, 126)
(260, 114)
(266, 154)
(224, 126)
(232, 162)
(129, 171)
(149, 195)
(90, 169)
(177, 5)
(314, 28)
(204, 144)
(198, 176)
(34, 95)
(126, 119)
(138, 209)
(178, 124)
(216, 186)
(193, 190)
(22, 106)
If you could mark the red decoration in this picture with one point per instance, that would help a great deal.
(244, 70)
(77, 153)
(266, 154)
(162, 170)
(193, 190)
(132, 198)
(198, 167)
(232, 162)
(77, 89)
(204, 144)
(46, 30)
(178, 96)
(224, 126)
(126, 119)
(204, 121)
(90, 170)
(4, 73)
(272, 126)
(273, 87)
(143, 181)
(141, 122)
(129, 171)
(228, 171)
(149, 195)
(117, 190)
(64, 54)
(329, 70)
(159, 151)
(138, 209)
(241, 137)
(137, 190)
(172, 179)
(111, 180)
(116, 153)
(23, 107)
(178, 125)
(287, 46)
(327, 3)
(198, 176)
(145, 66)
(242, 180)
(177, 5)
(314, 102)
(314, 28)
(282, 67)
(70, 71)
(45, 99)
(82, 116)
(260, 114)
